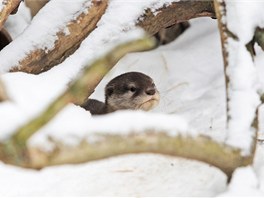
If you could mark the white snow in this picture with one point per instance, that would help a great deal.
(247, 17)
(18, 22)
(42, 33)
(83, 127)
(131, 175)
(244, 84)
(191, 86)
(189, 76)
(244, 183)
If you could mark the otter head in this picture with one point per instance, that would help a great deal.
(132, 90)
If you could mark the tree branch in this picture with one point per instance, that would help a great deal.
(40, 60)
(176, 12)
(8, 7)
(16, 148)
(199, 148)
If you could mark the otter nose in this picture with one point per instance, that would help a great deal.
(150, 91)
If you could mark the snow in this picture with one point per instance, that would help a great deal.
(244, 84)
(45, 36)
(42, 34)
(189, 76)
(122, 122)
(131, 175)
(248, 16)
(194, 92)
(98, 43)
(18, 22)
(244, 183)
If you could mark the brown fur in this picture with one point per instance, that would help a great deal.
(132, 90)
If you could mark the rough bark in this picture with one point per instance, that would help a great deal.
(9, 7)
(198, 148)
(176, 12)
(39, 60)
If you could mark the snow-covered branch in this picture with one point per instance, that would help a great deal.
(65, 36)
(154, 20)
(100, 145)
(45, 44)
(6, 8)
(130, 132)
(241, 79)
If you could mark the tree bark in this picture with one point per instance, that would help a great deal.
(38, 60)
(226, 35)
(8, 7)
(176, 12)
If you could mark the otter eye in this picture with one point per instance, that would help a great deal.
(132, 89)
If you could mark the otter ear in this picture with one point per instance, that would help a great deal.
(109, 90)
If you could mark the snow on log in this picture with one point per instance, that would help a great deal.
(237, 23)
(130, 132)
(100, 145)
(54, 34)
(39, 55)
(6, 8)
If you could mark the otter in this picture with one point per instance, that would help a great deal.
(132, 90)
